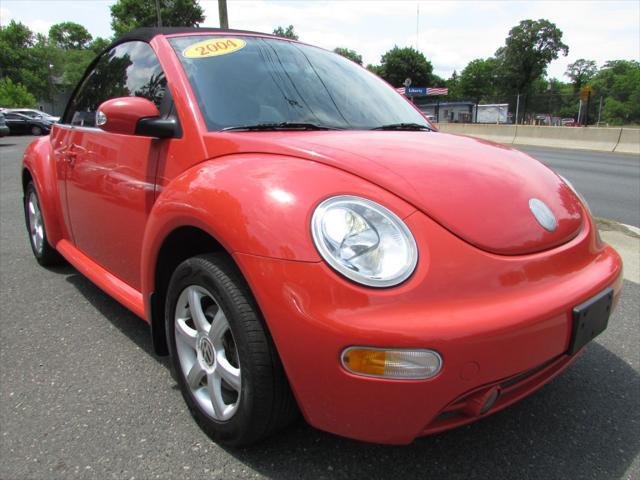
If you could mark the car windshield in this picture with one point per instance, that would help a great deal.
(243, 81)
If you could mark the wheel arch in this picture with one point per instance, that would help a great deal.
(38, 167)
(26, 178)
(179, 244)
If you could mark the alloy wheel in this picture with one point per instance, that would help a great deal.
(36, 224)
(207, 353)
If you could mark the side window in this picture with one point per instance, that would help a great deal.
(129, 70)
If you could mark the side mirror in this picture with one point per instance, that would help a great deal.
(134, 116)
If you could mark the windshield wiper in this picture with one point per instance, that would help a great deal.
(403, 126)
(279, 126)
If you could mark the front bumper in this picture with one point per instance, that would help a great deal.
(498, 322)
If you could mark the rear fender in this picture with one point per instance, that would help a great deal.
(40, 164)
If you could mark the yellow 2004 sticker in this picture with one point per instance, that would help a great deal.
(214, 47)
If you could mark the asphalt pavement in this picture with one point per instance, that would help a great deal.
(609, 181)
(83, 396)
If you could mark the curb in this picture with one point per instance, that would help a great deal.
(606, 224)
(625, 239)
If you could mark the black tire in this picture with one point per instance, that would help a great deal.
(265, 403)
(35, 130)
(45, 254)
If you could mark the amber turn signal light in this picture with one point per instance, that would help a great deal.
(391, 363)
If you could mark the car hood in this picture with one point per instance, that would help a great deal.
(478, 190)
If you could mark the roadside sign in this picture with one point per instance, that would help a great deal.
(427, 91)
(416, 90)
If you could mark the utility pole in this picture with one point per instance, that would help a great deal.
(599, 111)
(222, 13)
(417, 25)
(159, 21)
(586, 121)
(476, 115)
(579, 111)
(51, 95)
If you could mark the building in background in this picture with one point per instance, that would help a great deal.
(447, 112)
(463, 111)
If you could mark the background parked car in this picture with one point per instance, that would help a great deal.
(569, 122)
(4, 130)
(19, 123)
(32, 113)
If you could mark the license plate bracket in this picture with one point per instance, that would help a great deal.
(590, 319)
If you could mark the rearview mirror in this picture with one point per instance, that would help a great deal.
(134, 116)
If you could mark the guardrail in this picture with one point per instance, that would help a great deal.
(622, 140)
(629, 141)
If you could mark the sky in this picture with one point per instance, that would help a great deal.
(449, 33)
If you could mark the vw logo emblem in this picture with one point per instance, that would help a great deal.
(207, 351)
(543, 214)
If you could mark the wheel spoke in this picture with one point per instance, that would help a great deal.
(195, 375)
(185, 333)
(219, 326)
(215, 392)
(203, 341)
(228, 372)
(197, 314)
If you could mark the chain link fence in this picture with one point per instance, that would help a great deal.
(551, 109)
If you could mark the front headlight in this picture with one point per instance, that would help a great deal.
(364, 241)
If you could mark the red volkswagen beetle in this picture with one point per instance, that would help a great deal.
(300, 238)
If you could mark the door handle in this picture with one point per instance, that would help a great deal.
(70, 156)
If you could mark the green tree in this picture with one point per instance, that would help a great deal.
(28, 59)
(72, 42)
(377, 69)
(401, 63)
(69, 36)
(350, 54)
(453, 84)
(14, 95)
(75, 63)
(288, 32)
(619, 82)
(129, 14)
(99, 44)
(15, 40)
(559, 98)
(580, 72)
(438, 81)
(478, 79)
(527, 52)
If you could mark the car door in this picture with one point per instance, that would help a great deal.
(110, 178)
(17, 123)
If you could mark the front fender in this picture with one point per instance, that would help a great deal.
(257, 204)
(40, 164)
